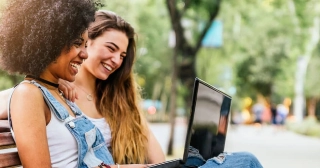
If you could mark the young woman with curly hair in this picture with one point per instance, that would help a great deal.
(46, 40)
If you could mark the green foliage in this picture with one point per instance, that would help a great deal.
(7, 81)
(263, 40)
(313, 81)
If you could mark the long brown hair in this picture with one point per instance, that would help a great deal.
(119, 97)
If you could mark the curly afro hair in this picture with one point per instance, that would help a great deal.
(34, 32)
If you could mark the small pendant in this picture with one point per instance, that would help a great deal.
(89, 97)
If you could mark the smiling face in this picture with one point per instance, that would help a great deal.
(106, 53)
(68, 63)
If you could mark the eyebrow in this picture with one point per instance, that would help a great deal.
(115, 45)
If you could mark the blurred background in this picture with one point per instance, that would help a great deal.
(264, 53)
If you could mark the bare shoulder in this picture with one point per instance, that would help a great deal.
(26, 97)
(27, 89)
(24, 93)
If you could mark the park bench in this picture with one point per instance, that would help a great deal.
(8, 152)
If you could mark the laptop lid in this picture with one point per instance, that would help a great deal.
(187, 129)
(210, 117)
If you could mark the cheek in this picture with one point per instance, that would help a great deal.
(74, 52)
(120, 64)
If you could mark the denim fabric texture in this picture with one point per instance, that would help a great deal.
(224, 160)
(92, 150)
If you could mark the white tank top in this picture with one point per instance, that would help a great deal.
(62, 145)
(104, 128)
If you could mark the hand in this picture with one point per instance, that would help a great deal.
(68, 89)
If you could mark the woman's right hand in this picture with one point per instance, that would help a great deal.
(68, 89)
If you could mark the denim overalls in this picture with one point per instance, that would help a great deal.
(92, 149)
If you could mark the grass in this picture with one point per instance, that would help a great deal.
(310, 126)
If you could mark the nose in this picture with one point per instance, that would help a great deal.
(83, 53)
(116, 59)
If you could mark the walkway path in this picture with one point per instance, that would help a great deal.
(274, 148)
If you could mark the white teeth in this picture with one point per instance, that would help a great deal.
(77, 66)
(107, 67)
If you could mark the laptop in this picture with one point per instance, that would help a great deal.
(209, 111)
(210, 119)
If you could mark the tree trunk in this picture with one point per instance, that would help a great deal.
(173, 106)
(303, 61)
(312, 103)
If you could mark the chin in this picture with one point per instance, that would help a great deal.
(103, 77)
(70, 79)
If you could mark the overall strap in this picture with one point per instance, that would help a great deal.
(54, 105)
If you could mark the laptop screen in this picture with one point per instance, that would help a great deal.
(210, 119)
(204, 128)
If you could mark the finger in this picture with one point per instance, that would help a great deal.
(63, 89)
(67, 90)
(73, 95)
(70, 93)
(76, 95)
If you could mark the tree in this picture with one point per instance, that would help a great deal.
(186, 49)
(196, 13)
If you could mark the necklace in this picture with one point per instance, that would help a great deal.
(43, 80)
(89, 96)
(60, 94)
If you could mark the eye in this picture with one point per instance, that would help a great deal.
(112, 49)
(77, 43)
(122, 56)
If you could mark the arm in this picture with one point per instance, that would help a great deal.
(4, 97)
(28, 112)
(155, 153)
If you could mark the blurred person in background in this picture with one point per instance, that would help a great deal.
(258, 109)
(273, 110)
(282, 113)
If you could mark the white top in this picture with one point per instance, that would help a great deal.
(104, 128)
(62, 145)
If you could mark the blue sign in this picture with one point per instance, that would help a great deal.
(213, 37)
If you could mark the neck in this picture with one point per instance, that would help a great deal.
(46, 75)
(86, 80)
(47, 80)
